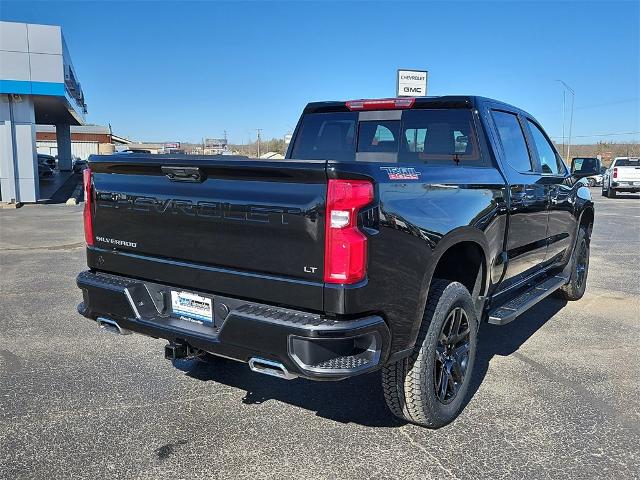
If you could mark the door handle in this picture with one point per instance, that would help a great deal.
(184, 174)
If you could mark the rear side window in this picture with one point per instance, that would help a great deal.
(549, 161)
(326, 136)
(440, 136)
(512, 139)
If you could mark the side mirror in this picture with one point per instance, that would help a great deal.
(585, 167)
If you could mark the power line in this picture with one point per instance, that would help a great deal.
(595, 105)
(601, 135)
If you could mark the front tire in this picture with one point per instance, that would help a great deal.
(574, 290)
(430, 387)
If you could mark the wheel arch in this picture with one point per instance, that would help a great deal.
(462, 255)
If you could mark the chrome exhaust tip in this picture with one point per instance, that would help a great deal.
(270, 367)
(111, 326)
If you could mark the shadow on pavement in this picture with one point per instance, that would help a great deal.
(504, 340)
(360, 399)
(59, 188)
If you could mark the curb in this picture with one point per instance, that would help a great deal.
(13, 206)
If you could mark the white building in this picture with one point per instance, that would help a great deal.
(38, 85)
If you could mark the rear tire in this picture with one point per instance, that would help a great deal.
(430, 387)
(574, 290)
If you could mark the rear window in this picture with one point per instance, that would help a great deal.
(326, 136)
(584, 164)
(627, 162)
(439, 136)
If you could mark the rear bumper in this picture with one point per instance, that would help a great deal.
(625, 187)
(307, 344)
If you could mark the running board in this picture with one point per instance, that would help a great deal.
(517, 306)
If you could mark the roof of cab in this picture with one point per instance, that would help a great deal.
(445, 101)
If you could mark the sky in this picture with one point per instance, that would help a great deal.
(181, 71)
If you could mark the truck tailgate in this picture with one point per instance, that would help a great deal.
(628, 174)
(238, 214)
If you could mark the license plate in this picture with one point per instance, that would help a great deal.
(192, 306)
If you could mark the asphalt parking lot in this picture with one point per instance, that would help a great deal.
(557, 392)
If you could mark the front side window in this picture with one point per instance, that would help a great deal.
(549, 161)
(513, 142)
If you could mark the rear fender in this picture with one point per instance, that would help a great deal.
(459, 235)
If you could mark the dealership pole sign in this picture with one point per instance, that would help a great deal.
(411, 83)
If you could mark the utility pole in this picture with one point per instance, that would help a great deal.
(258, 130)
(573, 97)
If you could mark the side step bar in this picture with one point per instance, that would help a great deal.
(517, 306)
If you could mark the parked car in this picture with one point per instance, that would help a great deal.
(79, 165)
(44, 171)
(391, 231)
(596, 180)
(593, 162)
(48, 160)
(132, 150)
(44, 168)
(622, 176)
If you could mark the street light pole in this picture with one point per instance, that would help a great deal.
(573, 97)
(564, 109)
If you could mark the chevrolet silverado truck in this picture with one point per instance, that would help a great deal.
(390, 231)
(622, 176)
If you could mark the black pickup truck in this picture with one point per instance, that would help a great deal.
(392, 229)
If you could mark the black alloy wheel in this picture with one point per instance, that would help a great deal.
(582, 264)
(451, 355)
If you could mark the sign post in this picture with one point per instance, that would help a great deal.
(411, 83)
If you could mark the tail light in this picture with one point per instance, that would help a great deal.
(615, 172)
(88, 221)
(381, 104)
(345, 245)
